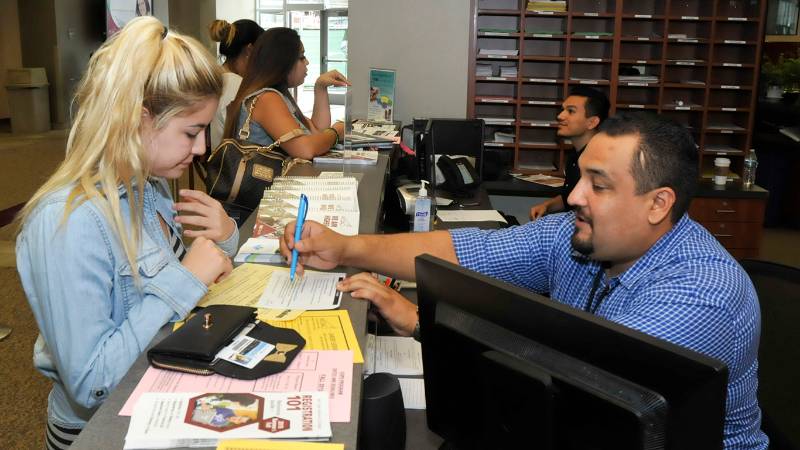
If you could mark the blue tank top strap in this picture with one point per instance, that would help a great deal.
(258, 134)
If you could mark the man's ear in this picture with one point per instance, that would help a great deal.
(594, 122)
(663, 200)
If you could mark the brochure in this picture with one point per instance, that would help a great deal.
(168, 420)
(381, 95)
(361, 157)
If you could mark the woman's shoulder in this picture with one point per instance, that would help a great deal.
(50, 209)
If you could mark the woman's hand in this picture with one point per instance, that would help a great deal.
(207, 261)
(331, 78)
(206, 213)
(399, 313)
(339, 127)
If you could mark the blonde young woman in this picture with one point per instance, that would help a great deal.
(235, 44)
(99, 251)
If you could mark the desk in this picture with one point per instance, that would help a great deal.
(107, 429)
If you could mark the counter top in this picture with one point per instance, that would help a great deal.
(733, 189)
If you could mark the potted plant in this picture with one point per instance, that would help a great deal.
(791, 79)
(772, 77)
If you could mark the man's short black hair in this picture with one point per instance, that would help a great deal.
(666, 156)
(597, 103)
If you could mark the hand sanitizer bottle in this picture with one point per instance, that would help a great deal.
(422, 209)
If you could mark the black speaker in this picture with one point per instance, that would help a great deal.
(383, 415)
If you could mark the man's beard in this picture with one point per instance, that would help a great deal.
(584, 247)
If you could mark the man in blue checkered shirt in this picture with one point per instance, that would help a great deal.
(627, 252)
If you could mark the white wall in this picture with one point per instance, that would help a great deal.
(233, 10)
(425, 41)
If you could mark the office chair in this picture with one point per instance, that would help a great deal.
(778, 288)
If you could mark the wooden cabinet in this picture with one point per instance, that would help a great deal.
(694, 61)
(736, 222)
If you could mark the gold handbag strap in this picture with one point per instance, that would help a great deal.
(237, 181)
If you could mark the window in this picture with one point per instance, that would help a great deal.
(322, 25)
(782, 17)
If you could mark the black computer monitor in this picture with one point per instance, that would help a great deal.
(507, 368)
(447, 137)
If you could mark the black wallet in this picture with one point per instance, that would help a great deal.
(193, 347)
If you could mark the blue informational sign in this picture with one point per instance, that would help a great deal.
(381, 95)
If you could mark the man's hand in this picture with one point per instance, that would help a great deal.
(399, 313)
(206, 213)
(539, 210)
(206, 261)
(553, 205)
(318, 247)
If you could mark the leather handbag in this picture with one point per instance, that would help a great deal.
(238, 171)
(193, 347)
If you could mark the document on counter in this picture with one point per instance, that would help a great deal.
(396, 355)
(413, 390)
(470, 215)
(170, 420)
(329, 371)
(313, 291)
(242, 287)
(262, 444)
(325, 330)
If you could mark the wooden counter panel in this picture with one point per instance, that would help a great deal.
(704, 209)
(736, 234)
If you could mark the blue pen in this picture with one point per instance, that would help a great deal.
(302, 209)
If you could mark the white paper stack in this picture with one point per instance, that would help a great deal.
(508, 71)
(505, 138)
(483, 70)
(639, 78)
(497, 52)
(332, 202)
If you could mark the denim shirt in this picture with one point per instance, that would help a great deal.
(93, 319)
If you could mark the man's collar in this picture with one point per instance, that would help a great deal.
(656, 254)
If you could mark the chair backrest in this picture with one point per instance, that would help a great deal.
(778, 288)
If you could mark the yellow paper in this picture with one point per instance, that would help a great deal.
(263, 444)
(243, 286)
(325, 330)
(278, 315)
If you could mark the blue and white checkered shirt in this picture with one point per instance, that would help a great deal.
(686, 289)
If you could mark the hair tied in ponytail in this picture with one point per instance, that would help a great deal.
(164, 33)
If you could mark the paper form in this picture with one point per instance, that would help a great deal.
(313, 291)
(396, 355)
(263, 444)
(312, 370)
(242, 287)
(470, 215)
(413, 390)
(283, 315)
(325, 330)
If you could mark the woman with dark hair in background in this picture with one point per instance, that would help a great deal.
(278, 63)
(235, 44)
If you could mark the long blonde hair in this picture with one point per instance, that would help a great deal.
(141, 67)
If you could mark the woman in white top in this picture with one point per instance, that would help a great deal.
(235, 44)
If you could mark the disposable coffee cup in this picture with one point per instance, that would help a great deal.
(721, 168)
